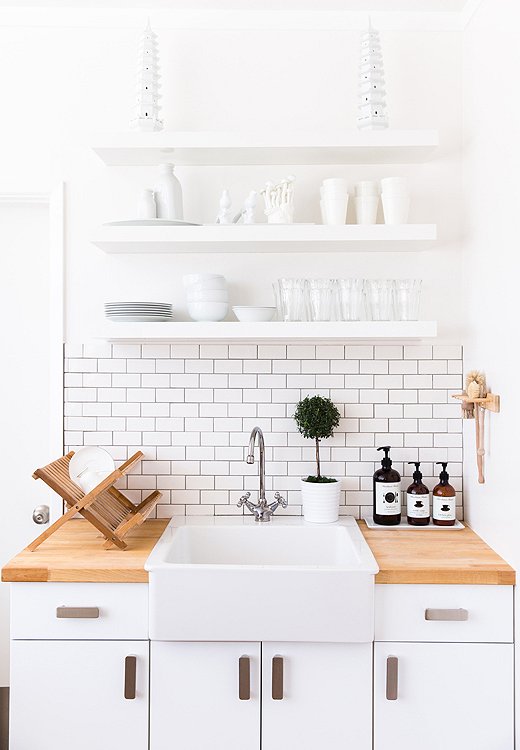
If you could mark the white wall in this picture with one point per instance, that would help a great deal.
(492, 263)
(492, 268)
(76, 79)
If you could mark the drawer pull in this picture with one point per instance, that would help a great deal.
(392, 678)
(277, 678)
(130, 677)
(244, 678)
(77, 613)
(446, 615)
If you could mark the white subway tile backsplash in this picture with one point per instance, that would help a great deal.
(191, 407)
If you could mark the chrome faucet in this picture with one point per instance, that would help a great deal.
(263, 510)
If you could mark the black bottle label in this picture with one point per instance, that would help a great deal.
(417, 506)
(444, 508)
(388, 498)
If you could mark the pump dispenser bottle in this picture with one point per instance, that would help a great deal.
(387, 492)
(417, 499)
(444, 499)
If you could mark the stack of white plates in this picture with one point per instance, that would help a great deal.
(138, 312)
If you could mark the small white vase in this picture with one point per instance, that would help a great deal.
(147, 208)
(321, 501)
(168, 195)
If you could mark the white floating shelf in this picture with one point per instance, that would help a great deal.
(228, 149)
(266, 238)
(279, 331)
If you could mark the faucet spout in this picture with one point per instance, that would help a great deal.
(257, 432)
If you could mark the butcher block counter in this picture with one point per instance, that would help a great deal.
(75, 553)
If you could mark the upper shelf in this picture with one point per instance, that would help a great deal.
(221, 149)
(267, 238)
(274, 331)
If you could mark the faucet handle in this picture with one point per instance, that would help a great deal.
(281, 500)
(243, 499)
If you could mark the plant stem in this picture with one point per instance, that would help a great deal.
(318, 458)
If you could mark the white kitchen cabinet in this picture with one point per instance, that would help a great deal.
(444, 696)
(319, 696)
(194, 696)
(78, 694)
(316, 695)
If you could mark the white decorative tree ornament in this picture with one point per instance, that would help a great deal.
(147, 105)
(372, 105)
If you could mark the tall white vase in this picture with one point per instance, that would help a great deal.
(168, 195)
(321, 501)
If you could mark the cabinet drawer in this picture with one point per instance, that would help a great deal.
(444, 613)
(79, 610)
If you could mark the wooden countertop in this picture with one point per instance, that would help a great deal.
(459, 557)
(75, 553)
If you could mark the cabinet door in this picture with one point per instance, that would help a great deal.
(205, 696)
(316, 695)
(78, 694)
(440, 696)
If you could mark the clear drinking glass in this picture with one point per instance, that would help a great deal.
(380, 298)
(407, 298)
(350, 299)
(322, 295)
(291, 299)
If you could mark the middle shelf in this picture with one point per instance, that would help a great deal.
(266, 238)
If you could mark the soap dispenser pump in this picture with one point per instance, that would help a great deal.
(444, 499)
(417, 499)
(387, 492)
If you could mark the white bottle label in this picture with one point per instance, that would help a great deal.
(444, 508)
(417, 506)
(388, 498)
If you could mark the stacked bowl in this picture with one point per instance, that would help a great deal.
(395, 197)
(207, 296)
(334, 200)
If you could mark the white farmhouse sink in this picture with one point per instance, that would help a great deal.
(234, 580)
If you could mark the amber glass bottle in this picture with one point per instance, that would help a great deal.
(444, 500)
(387, 492)
(417, 499)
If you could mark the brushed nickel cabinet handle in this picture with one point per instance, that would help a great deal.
(447, 615)
(244, 678)
(277, 678)
(130, 677)
(392, 678)
(77, 613)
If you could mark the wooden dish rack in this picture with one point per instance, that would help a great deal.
(105, 507)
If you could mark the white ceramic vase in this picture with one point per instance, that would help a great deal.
(321, 501)
(168, 194)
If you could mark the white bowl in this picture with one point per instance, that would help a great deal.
(208, 310)
(254, 314)
(195, 278)
(210, 284)
(207, 295)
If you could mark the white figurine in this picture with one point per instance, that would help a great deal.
(248, 212)
(279, 201)
(225, 213)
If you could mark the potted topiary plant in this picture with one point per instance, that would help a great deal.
(316, 417)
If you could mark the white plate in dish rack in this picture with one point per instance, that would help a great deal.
(367, 518)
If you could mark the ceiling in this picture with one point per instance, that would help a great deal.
(376, 6)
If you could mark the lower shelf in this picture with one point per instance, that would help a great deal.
(232, 331)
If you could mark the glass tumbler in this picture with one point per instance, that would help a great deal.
(291, 299)
(350, 299)
(321, 295)
(380, 298)
(407, 298)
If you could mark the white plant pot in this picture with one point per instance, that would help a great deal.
(321, 501)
